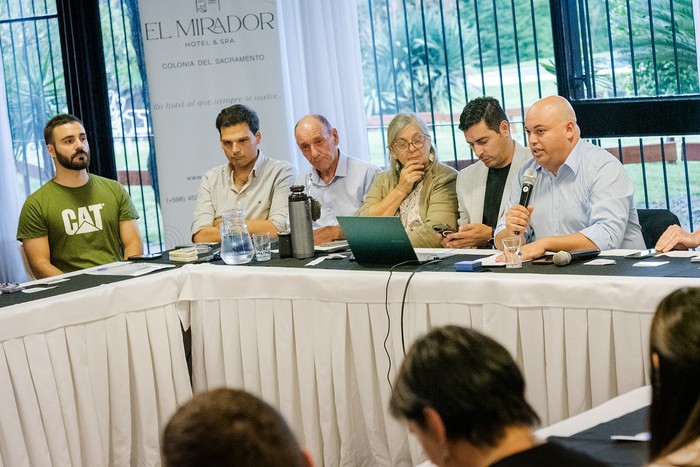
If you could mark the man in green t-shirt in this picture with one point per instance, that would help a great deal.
(76, 220)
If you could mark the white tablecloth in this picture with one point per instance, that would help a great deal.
(311, 342)
(88, 378)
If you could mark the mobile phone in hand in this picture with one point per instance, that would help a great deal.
(444, 229)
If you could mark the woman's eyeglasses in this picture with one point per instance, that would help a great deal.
(402, 145)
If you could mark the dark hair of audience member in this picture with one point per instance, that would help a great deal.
(227, 427)
(56, 121)
(674, 416)
(237, 114)
(469, 379)
(482, 108)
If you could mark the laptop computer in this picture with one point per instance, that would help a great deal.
(383, 240)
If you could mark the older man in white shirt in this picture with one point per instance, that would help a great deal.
(337, 181)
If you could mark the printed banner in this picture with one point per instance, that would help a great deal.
(202, 56)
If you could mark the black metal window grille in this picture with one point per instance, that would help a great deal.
(35, 89)
(629, 67)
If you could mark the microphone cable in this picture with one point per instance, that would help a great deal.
(403, 303)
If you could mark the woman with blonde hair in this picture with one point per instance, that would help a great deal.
(674, 416)
(417, 187)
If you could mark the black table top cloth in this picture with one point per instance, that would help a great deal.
(596, 441)
(676, 267)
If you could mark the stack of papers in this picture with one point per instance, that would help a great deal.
(123, 268)
(184, 255)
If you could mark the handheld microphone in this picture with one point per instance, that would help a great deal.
(562, 258)
(528, 181)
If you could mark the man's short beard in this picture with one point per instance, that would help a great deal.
(68, 163)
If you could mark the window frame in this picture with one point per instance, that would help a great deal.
(615, 117)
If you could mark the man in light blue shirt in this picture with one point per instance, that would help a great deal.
(337, 181)
(582, 198)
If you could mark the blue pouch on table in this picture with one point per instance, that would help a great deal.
(468, 266)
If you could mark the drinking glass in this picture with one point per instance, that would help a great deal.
(261, 242)
(512, 252)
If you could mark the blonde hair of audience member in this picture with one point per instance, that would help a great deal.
(230, 427)
(674, 416)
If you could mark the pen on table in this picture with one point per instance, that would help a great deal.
(56, 281)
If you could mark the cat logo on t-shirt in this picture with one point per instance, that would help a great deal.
(87, 219)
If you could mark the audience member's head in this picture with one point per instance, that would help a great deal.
(229, 427)
(674, 417)
(458, 385)
(550, 124)
(487, 131)
(318, 142)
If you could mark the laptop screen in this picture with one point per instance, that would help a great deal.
(377, 240)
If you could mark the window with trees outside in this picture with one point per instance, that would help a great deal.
(36, 91)
(630, 67)
(628, 60)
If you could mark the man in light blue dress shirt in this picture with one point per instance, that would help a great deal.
(582, 198)
(337, 181)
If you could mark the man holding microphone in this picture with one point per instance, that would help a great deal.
(583, 197)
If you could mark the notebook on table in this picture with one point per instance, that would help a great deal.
(383, 240)
(332, 247)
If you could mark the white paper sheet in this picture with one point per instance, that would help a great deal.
(127, 269)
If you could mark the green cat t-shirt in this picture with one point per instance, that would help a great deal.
(82, 224)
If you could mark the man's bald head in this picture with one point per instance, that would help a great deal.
(318, 142)
(556, 106)
(550, 124)
(312, 119)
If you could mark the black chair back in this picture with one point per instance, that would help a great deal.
(654, 223)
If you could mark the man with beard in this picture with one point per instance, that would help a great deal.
(337, 180)
(76, 220)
